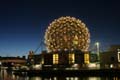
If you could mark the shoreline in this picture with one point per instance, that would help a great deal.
(98, 72)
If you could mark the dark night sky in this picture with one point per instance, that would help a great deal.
(23, 22)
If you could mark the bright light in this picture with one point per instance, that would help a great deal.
(71, 58)
(92, 65)
(86, 58)
(94, 78)
(97, 43)
(75, 65)
(37, 66)
(98, 49)
(55, 58)
(111, 66)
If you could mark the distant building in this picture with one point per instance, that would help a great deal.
(114, 47)
(12, 61)
(111, 58)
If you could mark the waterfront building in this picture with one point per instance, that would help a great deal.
(111, 58)
(67, 41)
(12, 61)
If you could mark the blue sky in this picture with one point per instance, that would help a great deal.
(23, 22)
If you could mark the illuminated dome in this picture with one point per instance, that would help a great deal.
(67, 33)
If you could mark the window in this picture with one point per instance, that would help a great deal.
(55, 58)
(86, 58)
(71, 58)
(42, 62)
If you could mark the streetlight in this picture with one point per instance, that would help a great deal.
(98, 54)
(118, 55)
(98, 49)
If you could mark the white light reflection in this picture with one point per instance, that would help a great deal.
(35, 78)
(55, 78)
(72, 78)
(94, 78)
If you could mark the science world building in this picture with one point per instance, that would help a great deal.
(67, 41)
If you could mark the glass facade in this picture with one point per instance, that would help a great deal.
(71, 58)
(55, 58)
(86, 58)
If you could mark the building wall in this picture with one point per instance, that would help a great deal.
(64, 59)
(60, 59)
(109, 59)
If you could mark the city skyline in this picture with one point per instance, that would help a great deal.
(23, 23)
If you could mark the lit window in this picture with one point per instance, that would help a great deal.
(42, 62)
(55, 58)
(71, 58)
(86, 58)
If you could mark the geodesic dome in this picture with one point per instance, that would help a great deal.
(67, 33)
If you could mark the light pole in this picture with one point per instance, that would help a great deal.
(98, 50)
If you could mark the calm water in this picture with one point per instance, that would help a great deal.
(4, 75)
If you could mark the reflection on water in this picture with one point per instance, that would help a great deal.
(4, 75)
